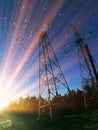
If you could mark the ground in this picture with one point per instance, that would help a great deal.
(24, 121)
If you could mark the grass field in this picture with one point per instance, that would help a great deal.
(24, 121)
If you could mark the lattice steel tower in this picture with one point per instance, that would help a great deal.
(87, 64)
(51, 78)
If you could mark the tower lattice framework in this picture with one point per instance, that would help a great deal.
(51, 78)
(88, 66)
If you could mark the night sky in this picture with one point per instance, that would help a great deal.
(21, 22)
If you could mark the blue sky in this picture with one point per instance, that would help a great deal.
(21, 23)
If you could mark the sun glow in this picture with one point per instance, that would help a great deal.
(3, 105)
(4, 94)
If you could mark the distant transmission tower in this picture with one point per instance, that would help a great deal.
(51, 78)
(87, 64)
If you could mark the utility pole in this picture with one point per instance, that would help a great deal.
(52, 81)
(88, 68)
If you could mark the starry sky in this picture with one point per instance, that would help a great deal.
(21, 22)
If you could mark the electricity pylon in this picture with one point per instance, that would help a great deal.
(87, 64)
(51, 78)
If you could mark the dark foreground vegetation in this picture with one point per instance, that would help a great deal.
(69, 121)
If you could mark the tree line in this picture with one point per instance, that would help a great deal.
(70, 101)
